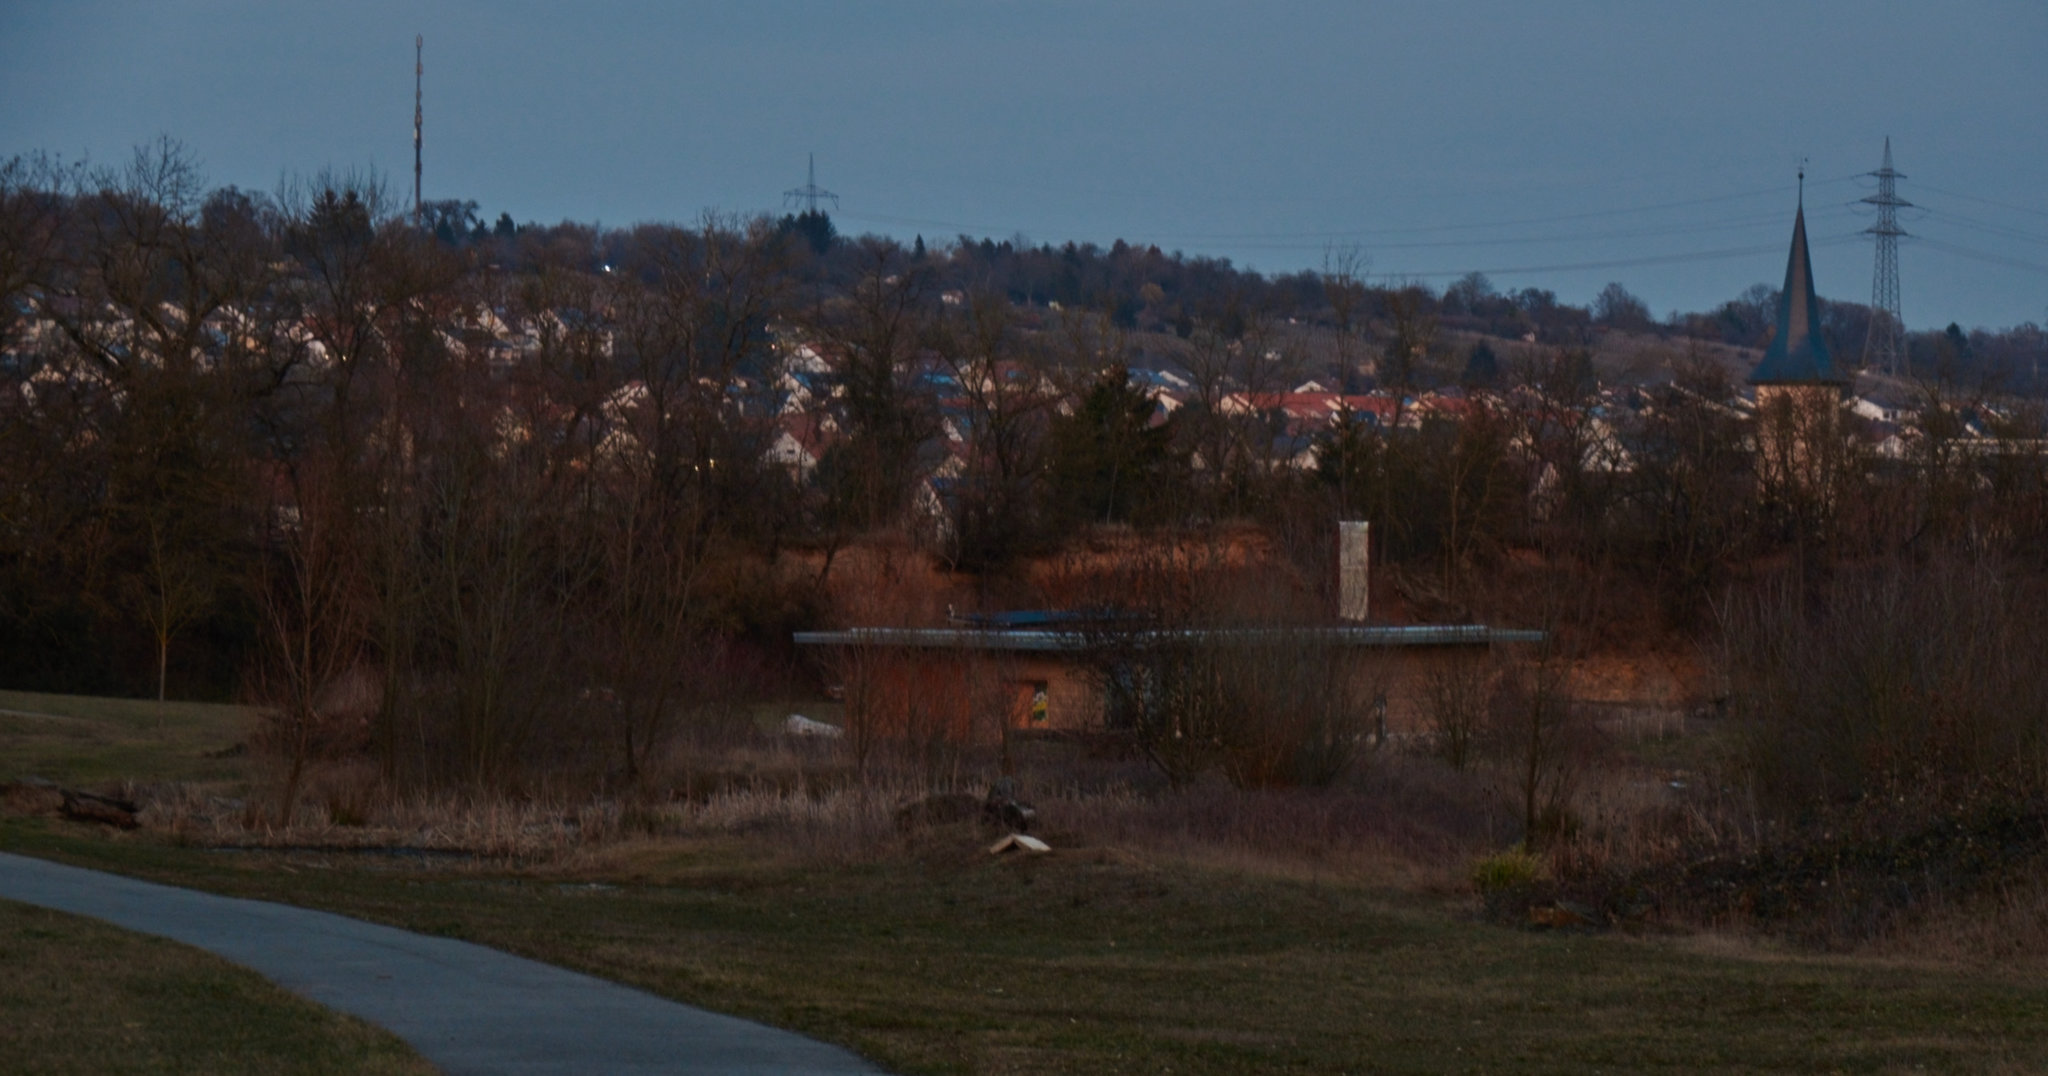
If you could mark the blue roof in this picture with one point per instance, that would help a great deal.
(1016, 619)
(1070, 641)
(1797, 355)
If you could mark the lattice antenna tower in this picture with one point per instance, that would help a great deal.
(810, 193)
(1885, 346)
(419, 69)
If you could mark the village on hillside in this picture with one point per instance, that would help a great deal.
(542, 542)
(1066, 539)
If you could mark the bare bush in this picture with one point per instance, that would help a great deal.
(1456, 699)
(1268, 707)
(1406, 818)
(1900, 683)
(1544, 745)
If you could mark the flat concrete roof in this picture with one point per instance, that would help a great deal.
(1074, 641)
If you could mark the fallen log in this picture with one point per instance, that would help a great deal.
(105, 810)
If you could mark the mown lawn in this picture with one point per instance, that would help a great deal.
(940, 960)
(78, 996)
(79, 739)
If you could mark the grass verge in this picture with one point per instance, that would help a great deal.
(79, 996)
(937, 959)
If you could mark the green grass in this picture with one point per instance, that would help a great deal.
(937, 959)
(77, 996)
(941, 960)
(80, 739)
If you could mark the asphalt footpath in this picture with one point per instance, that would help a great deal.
(465, 1008)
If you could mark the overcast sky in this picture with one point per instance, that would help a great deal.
(1650, 143)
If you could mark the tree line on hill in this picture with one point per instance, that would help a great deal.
(1141, 288)
(515, 484)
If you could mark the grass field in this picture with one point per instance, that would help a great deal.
(941, 960)
(931, 957)
(81, 740)
(77, 996)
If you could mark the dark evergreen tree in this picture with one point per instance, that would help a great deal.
(815, 226)
(1109, 463)
(1482, 367)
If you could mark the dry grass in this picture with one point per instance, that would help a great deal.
(820, 814)
(1405, 818)
(1408, 822)
(2007, 927)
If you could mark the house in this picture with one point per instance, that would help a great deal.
(800, 442)
(1045, 670)
(1077, 670)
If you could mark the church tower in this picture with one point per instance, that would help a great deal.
(1798, 389)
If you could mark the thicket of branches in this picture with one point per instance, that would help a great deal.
(1916, 691)
(471, 499)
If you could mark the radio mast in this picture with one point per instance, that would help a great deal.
(419, 47)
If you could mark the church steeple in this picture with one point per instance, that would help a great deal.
(1797, 355)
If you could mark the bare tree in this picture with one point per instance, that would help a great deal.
(176, 589)
(1008, 399)
(1545, 742)
(1343, 280)
(312, 617)
(1232, 427)
(877, 332)
(1457, 698)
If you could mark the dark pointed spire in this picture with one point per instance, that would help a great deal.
(1797, 355)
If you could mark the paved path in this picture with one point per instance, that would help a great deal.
(465, 1008)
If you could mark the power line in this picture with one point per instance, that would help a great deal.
(1584, 237)
(1988, 228)
(1324, 236)
(1735, 224)
(1624, 263)
(1982, 256)
(1718, 254)
(1556, 219)
(1986, 201)
(927, 222)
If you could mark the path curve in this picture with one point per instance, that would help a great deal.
(465, 1008)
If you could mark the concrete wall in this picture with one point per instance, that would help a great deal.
(967, 696)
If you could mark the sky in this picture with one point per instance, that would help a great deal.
(1655, 144)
